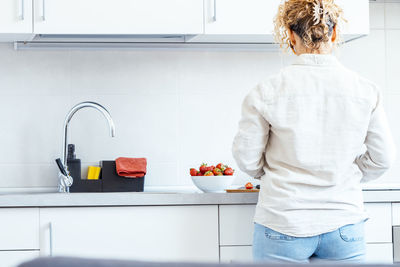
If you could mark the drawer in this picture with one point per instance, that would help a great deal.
(379, 253)
(19, 228)
(236, 224)
(14, 258)
(378, 229)
(230, 254)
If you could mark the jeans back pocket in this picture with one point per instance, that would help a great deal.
(352, 232)
(274, 235)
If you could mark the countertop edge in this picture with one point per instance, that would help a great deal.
(155, 199)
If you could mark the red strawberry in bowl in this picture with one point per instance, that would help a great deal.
(193, 172)
(228, 171)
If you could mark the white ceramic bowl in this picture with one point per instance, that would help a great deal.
(213, 184)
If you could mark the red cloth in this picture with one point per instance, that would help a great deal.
(131, 167)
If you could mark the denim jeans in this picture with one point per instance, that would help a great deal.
(346, 244)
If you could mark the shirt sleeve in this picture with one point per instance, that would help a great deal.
(381, 151)
(250, 142)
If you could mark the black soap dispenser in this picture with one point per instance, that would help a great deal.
(74, 164)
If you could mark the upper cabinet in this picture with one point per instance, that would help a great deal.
(15, 20)
(356, 12)
(152, 21)
(239, 16)
(251, 21)
(118, 16)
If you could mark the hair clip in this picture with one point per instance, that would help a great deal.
(318, 11)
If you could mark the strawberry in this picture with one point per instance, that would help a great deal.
(211, 168)
(249, 186)
(209, 173)
(203, 168)
(219, 165)
(216, 171)
(193, 172)
(199, 174)
(228, 171)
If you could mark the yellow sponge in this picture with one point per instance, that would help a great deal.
(93, 173)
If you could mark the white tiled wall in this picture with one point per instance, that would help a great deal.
(176, 108)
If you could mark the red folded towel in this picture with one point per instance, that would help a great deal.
(131, 167)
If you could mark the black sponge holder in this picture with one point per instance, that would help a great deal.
(109, 181)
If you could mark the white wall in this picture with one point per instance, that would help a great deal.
(178, 109)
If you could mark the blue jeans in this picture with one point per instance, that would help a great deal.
(346, 244)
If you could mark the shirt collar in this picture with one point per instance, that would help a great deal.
(316, 59)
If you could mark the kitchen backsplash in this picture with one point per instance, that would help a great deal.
(177, 108)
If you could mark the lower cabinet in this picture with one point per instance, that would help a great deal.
(14, 258)
(380, 253)
(231, 254)
(19, 235)
(152, 233)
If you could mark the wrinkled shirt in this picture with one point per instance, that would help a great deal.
(312, 133)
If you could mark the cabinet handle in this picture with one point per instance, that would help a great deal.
(43, 10)
(51, 239)
(214, 18)
(22, 10)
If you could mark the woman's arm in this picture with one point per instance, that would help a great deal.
(381, 150)
(251, 140)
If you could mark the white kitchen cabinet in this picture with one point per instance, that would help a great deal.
(14, 258)
(378, 229)
(380, 253)
(154, 233)
(19, 228)
(236, 224)
(356, 12)
(239, 16)
(232, 254)
(253, 20)
(118, 16)
(16, 20)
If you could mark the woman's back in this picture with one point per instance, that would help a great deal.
(318, 114)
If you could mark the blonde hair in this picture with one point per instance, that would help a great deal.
(312, 20)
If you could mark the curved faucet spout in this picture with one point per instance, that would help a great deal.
(63, 187)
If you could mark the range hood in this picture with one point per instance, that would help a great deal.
(224, 42)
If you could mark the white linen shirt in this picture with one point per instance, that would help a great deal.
(302, 132)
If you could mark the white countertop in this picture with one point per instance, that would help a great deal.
(154, 199)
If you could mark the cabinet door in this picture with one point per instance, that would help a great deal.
(16, 20)
(240, 16)
(252, 20)
(236, 224)
(356, 12)
(118, 17)
(232, 254)
(16, 16)
(14, 258)
(167, 233)
(19, 228)
(380, 253)
(378, 229)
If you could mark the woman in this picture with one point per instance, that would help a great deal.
(303, 132)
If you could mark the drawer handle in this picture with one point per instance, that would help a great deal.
(214, 18)
(51, 239)
(22, 10)
(43, 10)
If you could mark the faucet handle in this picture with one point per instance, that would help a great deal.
(61, 167)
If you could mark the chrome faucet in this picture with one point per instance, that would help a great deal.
(65, 179)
